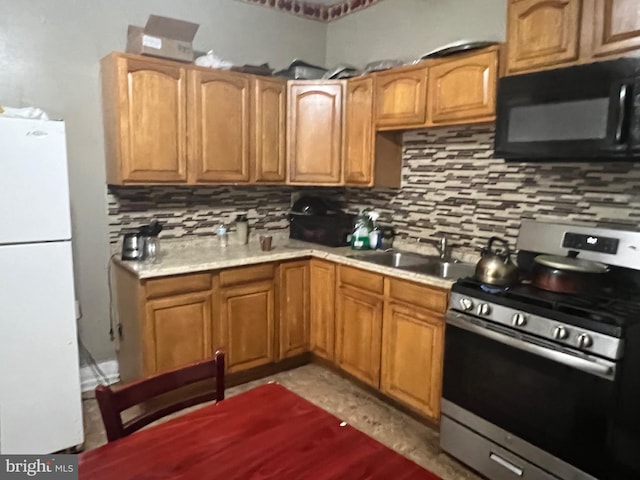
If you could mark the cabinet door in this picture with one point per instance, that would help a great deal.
(542, 33)
(144, 105)
(412, 358)
(314, 132)
(294, 308)
(359, 135)
(246, 315)
(400, 97)
(176, 331)
(358, 334)
(463, 90)
(268, 139)
(611, 27)
(322, 311)
(219, 127)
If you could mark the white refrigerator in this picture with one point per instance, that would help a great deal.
(40, 400)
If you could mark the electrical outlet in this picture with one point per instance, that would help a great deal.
(78, 310)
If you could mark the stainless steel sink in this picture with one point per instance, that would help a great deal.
(428, 265)
(393, 259)
(444, 269)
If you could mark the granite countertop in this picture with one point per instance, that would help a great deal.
(182, 256)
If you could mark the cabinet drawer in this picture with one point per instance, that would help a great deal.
(428, 297)
(373, 282)
(246, 274)
(163, 287)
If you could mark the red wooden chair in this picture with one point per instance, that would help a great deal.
(113, 402)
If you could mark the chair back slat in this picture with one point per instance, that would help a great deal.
(144, 420)
(113, 402)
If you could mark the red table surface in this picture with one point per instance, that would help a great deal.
(264, 433)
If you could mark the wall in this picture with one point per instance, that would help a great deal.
(185, 211)
(406, 29)
(452, 185)
(49, 57)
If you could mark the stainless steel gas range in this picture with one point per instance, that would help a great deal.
(546, 385)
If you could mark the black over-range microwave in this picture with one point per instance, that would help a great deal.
(587, 112)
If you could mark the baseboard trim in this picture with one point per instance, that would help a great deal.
(89, 378)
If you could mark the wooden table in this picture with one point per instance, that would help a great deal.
(265, 433)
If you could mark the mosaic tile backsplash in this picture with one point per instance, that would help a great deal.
(451, 185)
(196, 210)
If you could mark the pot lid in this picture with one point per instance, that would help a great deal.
(571, 264)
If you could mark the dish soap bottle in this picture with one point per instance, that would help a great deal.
(374, 233)
(361, 230)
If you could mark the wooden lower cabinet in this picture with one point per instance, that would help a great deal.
(390, 334)
(412, 348)
(358, 333)
(163, 323)
(247, 321)
(294, 308)
(384, 331)
(322, 287)
(177, 331)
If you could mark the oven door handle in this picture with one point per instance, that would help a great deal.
(601, 368)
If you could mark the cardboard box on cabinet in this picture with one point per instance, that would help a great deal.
(163, 37)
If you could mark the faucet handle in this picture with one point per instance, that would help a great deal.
(442, 246)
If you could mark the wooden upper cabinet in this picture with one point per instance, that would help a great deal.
(359, 135)
(314, 132)
(177, 331)
(611, 27)
(294, 308)
(463, 89)
(542, 33)
(322, 307)
(268, 138)
(144, 104)
(401, 97)
(219, 126)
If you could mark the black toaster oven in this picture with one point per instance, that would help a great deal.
(333, 229)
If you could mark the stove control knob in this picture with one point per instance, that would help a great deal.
(484, 309)
(584, 340)
(560, 333)
(518, 320)
(466, 304)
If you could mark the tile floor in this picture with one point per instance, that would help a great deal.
(346, 401)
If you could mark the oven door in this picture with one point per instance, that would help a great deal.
(557, 401)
